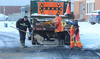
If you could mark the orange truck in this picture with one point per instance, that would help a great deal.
(42, 12)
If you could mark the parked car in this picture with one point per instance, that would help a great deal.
(2, 17)
(94, 17)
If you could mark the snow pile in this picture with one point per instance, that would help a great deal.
(90, 35)
(88, 28)
(10, 36)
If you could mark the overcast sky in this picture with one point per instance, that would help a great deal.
(14, 2)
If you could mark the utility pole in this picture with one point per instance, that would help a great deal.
(0, 7)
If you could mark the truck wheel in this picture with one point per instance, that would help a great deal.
(33, 40)
(67, 38)
(99, 21)
(67, 42)
(47, 37)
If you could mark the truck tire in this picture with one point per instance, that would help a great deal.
(67, 38)
(33, 39)
(47, 37)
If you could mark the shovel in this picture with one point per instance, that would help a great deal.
(22, 31)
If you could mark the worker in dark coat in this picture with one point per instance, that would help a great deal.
(23, 24)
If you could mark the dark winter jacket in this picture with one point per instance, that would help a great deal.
(21, 24)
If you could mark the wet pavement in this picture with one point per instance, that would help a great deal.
(46, 52)
(10, 49)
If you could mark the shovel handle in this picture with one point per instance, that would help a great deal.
(19, 29)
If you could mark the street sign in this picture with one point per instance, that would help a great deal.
(50, 8)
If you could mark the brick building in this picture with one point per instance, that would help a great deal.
(83, 8)
(12, 9)
(13, 6)
(16, 6)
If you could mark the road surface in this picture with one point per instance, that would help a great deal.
(10, 49)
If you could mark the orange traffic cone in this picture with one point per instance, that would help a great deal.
(68, 9)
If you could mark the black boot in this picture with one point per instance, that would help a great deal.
(23, 43)
(62, 43)
(59, 43)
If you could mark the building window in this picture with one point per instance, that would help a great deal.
(90, 7)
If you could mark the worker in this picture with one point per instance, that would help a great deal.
(59, 29)
(74, 32)
(22, 24)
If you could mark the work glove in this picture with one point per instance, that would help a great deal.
(30, 33)
(73, 36)
(17, 28)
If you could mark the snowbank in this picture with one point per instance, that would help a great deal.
(90, 35)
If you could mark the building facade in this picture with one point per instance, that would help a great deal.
(13, 9)
(83, 8)
(13, 6)
(18, 6)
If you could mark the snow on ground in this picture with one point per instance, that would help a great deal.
(89, 35)
(10, 35)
